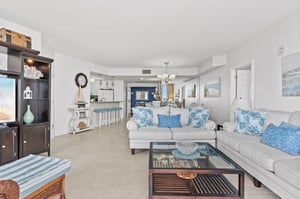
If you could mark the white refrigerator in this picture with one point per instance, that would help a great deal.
(105, 95)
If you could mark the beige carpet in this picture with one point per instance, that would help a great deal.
(103, 167)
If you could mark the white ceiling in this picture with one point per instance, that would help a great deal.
(145, 33)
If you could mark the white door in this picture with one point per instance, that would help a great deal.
(242, 83)
(243, 87)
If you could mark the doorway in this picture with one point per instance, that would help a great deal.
(168, 92)
(242, 82)
(141, 95)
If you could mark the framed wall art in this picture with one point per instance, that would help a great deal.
(291, 75)
(212, 88)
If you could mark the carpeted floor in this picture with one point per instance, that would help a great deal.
(103, 167)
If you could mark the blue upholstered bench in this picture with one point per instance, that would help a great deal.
(37, 175)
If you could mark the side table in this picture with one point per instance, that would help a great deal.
(81, 119)
(219, 127)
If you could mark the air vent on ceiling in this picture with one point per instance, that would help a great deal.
(146, 72)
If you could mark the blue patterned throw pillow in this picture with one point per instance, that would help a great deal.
(143, 116)
(169, 121)
(198, 118)
(284, 138)
(250, 122)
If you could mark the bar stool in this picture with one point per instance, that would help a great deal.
(102, 116)
(111, 115)
(118, 113)
(117, 116)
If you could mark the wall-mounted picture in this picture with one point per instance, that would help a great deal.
(291, 75)
(212, 88)
(191, 91)
(141, 95)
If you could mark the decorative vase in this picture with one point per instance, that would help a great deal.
(28, 116)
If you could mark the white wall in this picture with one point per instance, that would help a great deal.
(267, 70)
(267, 65)
(120, 95)
(46, 49)
(119, 90)
(219, 106)
(64, 90)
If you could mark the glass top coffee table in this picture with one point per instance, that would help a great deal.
(202, 174)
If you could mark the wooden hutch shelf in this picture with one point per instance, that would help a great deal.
(6, 47)
(21, 139)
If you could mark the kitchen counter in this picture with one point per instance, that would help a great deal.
(106, 104)
(111, 112)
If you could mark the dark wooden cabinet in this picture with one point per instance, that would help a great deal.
(8, 144)
(35, 139)
(32, 71)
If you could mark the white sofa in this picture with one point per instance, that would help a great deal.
(140, 138)
(277, 170)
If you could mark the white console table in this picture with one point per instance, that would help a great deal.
(81, 119)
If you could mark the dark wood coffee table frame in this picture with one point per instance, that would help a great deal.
(209, 183)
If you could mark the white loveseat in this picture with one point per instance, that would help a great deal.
(140, 137)
(276, 169)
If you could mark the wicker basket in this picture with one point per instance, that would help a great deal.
(82, 125)
(15, 38)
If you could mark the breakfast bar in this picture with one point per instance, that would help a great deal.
(107, 112)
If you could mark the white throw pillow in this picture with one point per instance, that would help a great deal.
(184, 115)
(162, 111)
